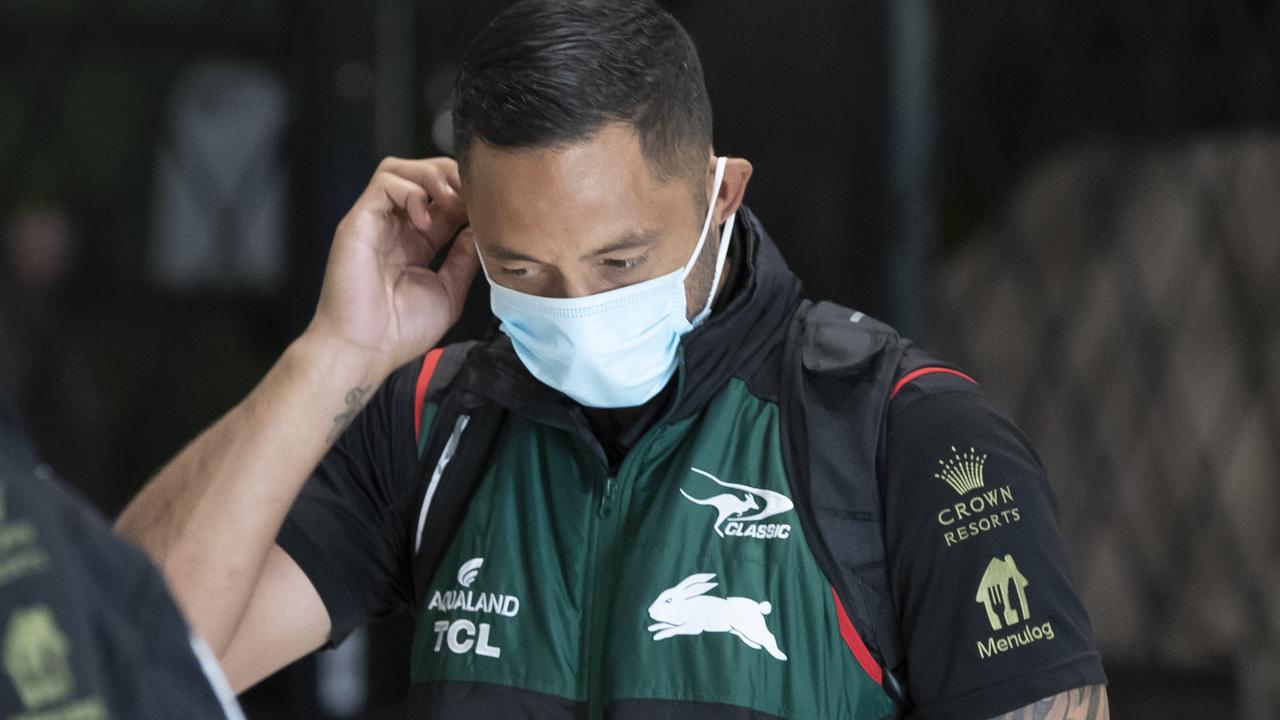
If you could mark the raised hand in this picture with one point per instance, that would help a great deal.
(379, 296)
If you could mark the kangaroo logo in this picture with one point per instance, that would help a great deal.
(469, 570)
(686, 610)
(738, 508)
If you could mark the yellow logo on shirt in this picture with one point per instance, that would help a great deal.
(35, 656)
(980, 509)
(1002, 592)
(963, 471)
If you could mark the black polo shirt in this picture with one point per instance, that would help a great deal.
(87, 627)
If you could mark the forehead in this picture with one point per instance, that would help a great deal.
(604, 179)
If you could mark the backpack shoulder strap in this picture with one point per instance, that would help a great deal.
(439, 368)
(461, 433)
(839, 367)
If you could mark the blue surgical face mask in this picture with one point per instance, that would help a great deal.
(613, 349)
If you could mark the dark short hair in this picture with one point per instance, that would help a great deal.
(551, 73)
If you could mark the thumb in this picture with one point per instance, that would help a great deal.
(458, 270)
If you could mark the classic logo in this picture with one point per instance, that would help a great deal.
(963, 471)
(463, 635)
(737, 513)
(981, 509)
(686, 610)
(469, 570)
(1000, 585)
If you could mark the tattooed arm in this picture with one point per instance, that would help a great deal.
(210, 518)
(1086, 703)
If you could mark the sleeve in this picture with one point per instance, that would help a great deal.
(990, 620)
(349, 529)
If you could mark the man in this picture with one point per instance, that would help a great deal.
(87, 628)
(623, 505)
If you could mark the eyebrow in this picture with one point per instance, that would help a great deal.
(627, 241)
(507, 254)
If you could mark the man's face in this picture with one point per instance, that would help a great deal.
(584, 219)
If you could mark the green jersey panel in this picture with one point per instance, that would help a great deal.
(686, 576)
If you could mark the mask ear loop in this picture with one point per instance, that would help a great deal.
(721, 255)
(706, 224)
(480, 257)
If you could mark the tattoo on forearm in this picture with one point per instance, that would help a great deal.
(1086, 703)
(355, 403)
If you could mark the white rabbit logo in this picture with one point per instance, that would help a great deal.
(685, 610)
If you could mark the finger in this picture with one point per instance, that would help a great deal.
(402, 195)
(455, 181)
(451, 174)
(437, 167)
(406, 196)
(447, 209)
(459, 269)
(439, 177)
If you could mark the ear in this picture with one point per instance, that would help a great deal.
(697, 589)
(737, 173)
(693, 579)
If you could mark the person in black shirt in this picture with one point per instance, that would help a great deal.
(88, 630)
(292, 519)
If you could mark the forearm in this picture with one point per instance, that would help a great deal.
(211, 515)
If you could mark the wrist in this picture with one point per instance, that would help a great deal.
(332, 361)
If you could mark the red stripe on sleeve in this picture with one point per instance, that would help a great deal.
(916, 374)
(854, 641)
(420, 392)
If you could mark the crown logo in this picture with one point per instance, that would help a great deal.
(963, 472)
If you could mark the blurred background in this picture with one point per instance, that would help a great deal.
(1078, 202)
